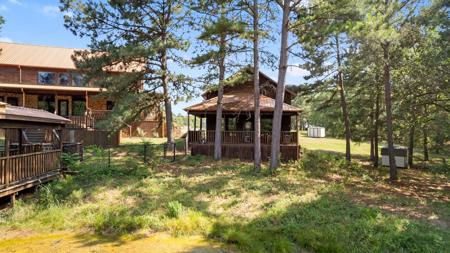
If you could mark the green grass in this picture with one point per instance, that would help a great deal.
(333, 144)
(321, 204)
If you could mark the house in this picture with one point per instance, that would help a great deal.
(238, 120)
(45, 77)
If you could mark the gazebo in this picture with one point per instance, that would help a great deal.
(30, 147)
(238, 122)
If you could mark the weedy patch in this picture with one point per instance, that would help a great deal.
(321, 203)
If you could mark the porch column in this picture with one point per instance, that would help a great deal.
(23, 97)
(201, 123)
(195, 122)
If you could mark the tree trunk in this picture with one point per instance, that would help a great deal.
(372, 148)
(279, 99)
(167, 102)
(257, 138)
(376, 127)
(218, 132)
(425, 145)
(341, 89)
(411, 145)
(388, 102)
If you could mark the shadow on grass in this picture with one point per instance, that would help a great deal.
(332, 223)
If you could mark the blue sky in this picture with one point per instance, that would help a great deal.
(40, 22)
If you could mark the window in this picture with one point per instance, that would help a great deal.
(46, 103)
(78, 105)
(63, 108)
(78, 79)
(64, 78)
(12, 101)
(109, 105)
(46, 77)
(2, 99)
(248, 126)
(266, 125)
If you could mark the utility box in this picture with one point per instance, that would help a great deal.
(316, 132)
(400, 154)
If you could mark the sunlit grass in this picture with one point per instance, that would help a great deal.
(321, 203)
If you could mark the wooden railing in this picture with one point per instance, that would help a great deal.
(89, 120)
(240, 137)
(17, 168)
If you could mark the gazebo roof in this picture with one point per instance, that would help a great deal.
(240, 102)
(16, 113)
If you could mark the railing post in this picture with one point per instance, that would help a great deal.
(145, 153)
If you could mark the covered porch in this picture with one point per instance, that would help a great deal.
(237, 133)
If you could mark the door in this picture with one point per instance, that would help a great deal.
(63, 107)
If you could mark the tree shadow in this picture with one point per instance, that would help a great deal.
(331, 223)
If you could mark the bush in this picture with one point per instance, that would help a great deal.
(174, 209)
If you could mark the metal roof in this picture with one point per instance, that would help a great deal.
(240, 102)
(36, 56)
(9, 112)
(26, 55)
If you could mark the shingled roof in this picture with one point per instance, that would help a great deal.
(240, 102)
(9, 112)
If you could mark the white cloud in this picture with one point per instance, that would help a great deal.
(3, 7)
(297, 71)
(6, 39)
(17, 2)
(51, 10)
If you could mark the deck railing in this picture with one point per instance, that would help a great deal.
(17, 168)
(240, 137)
(89, 120)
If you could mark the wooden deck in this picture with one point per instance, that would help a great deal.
(239, 144)
(23, 171)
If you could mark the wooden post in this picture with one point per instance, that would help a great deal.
(23, 97)
(13, 199)
(7, 168)
(145, 153)
(20, 140)
(195, 123)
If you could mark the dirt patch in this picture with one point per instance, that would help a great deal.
(20, 241)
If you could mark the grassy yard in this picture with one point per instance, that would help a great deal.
(320, 204)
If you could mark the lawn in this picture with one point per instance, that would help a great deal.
(320, 204)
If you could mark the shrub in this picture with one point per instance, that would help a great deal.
(174, 209)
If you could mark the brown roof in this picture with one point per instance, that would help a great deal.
(49, 57)
(238, 102)
(9, 112)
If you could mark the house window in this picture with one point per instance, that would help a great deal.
(248, 126)
(2, 99)
(46, 77)
(78, 79)
(46, 103)
(109, 105)
(78, 105)
(12, 101)
(64, 78)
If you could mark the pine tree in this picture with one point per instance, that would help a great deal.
(142, 37)
(287, 6)
(222, 33)
(323, 32)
